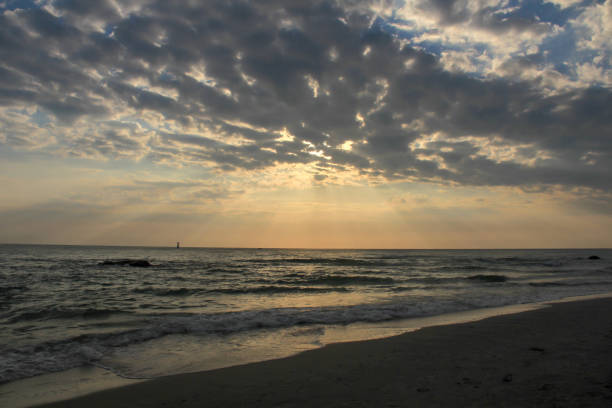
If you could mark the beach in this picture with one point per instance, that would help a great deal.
(556, 356)
(327, 203)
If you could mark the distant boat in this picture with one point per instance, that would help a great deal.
(178, 245)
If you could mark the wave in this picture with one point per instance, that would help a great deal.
(405, 288)
(522, 261)
(9, 289)
(569, 284)
(277, 289)
(488, 278)
(464, 268)
(166, 291)
(62, 313)
(321, 261)
(228, 269)
(547, 284)
(431, 280)
(597, 272)
(87, 349)
(337, 279)
(235, 291)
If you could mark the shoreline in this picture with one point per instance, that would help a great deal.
(438, 366)
(81, 381)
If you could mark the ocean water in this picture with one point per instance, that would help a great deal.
(63, 307)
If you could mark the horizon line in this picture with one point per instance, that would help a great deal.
(307, 248)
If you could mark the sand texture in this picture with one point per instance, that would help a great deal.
(559, 356)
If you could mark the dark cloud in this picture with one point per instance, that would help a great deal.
(318, 70)
(100, 9)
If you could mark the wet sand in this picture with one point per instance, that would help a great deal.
(558, 356)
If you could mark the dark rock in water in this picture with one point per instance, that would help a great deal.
(594, 257)
(140, 263)
(489, 278)
(507, 378)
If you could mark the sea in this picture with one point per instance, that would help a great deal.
(143, 312)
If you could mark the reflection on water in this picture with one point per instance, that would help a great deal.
(64, 307)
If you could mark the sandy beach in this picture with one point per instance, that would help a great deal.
(558, 356)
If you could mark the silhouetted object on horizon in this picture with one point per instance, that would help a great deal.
(139, 263)
(178, 245)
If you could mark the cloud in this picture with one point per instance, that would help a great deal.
(188, 194)
(565, 3)
(241, 86)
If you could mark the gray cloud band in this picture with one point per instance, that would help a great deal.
(347, 93)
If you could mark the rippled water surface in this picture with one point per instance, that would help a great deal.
(65, 306)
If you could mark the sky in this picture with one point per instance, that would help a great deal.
(310, 124)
